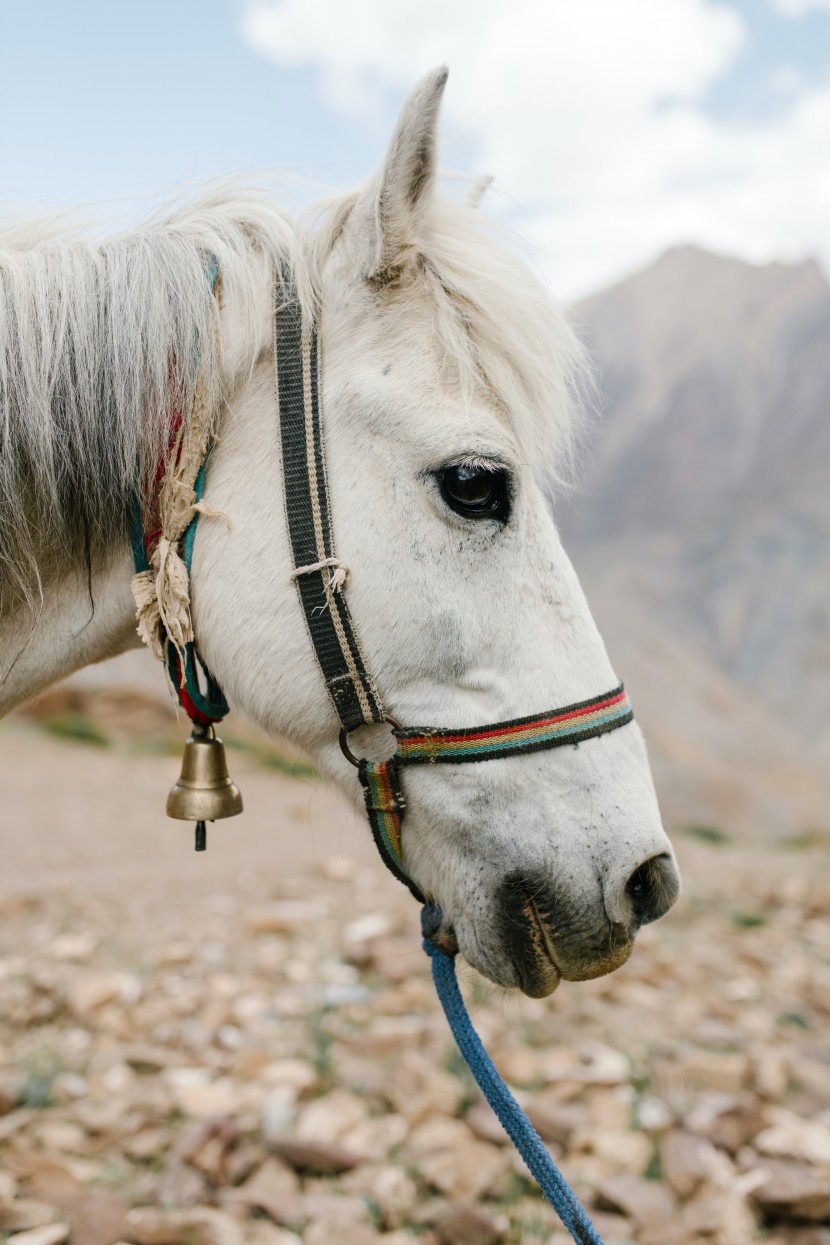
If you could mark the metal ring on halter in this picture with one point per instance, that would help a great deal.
(344, 737)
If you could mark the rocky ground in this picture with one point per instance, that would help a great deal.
(245, 1048)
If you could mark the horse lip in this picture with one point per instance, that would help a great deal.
(542, 939)
(540, 935)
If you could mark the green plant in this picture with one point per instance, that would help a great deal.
(708, 834)
(747, 920)
(75, 726)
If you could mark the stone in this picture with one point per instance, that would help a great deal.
(468, 1224)
(420, 1089)
(75, 947)
(391, 1189)
(594, 1064)
(521, 1066)
(240, 1161)
(610, 1108)
(613, 1229)
(275, 1189)
(45, 1178)
(181, 1185)
(54, 1234)
(14, 1121)
(648, 1204)
(329, 1118)
(793, 1191)
(555, 1121)
(338, 868)
(278, 1112)
(202, 1100)
(284, 916)
(349, 1234)
(144, 1057)
(375, 1137)
(8, 1188)
(720, 1213)
(770, 1072)
(93, 990)
(724, 1072)
(295, 1073)
(619, 1151)
(466, 1170)
(24, 1213)
(687, 1161)
(258, 1232)
(320, 1158)
(483, 1123)
(338, 1210)
(200, 1225)
(61, 1135)
(365, 928)
(145, 1144)
(96, 1216)
(654, 1115)
(728, 1121)
(791, 1136)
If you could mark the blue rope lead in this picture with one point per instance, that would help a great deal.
(513, 1119)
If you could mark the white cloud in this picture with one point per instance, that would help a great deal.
(797, 8)
(589, 114)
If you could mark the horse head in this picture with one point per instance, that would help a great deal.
(447, 380)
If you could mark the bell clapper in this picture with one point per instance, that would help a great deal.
(201, 836)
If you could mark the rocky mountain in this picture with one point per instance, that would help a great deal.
(706, 498)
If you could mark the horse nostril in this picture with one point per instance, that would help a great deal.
(653, 888)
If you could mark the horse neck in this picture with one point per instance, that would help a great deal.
(84, 610)
(86, 613)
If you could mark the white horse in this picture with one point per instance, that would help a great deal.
(448, 393)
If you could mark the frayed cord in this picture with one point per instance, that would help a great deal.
(339, 578)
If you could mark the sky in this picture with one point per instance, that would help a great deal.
(613, 128)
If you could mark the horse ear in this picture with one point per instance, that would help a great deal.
(392, 209)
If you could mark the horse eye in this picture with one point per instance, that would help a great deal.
(476, 492)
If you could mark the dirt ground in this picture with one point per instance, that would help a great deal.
(243, 1047)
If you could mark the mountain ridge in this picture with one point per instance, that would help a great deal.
(706, 489)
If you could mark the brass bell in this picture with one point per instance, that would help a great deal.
(204, 791)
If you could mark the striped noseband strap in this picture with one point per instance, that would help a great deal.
(321, 582)
(569, 725)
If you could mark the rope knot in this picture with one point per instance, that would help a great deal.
(338, 579)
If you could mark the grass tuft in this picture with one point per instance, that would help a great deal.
(742, 919)
(708, 834)
(76, 726)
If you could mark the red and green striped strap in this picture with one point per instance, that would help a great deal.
(568, 725)
(385, 807)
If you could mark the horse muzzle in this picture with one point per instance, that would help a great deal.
(551, 933)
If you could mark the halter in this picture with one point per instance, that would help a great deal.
(352, 690)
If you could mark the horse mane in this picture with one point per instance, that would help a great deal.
(99, 342)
